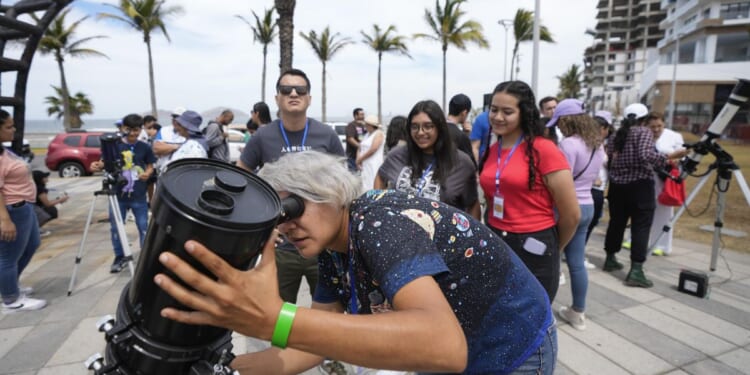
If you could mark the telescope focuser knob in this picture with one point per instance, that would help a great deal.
(105, 323)
(95, 362)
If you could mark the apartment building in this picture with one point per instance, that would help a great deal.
(613, 66)
(706, 47)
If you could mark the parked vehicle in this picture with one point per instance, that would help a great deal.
(340, 128)
(71, 154)
(236, 144)
(26, 153)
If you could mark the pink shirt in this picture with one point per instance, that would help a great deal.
(16, 182)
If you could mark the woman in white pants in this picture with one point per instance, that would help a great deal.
(667, 141)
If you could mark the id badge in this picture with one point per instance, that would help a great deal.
(498, 206)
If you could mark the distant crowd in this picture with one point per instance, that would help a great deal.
(465, 229)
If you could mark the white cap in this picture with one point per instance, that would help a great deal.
(636, 110)
(178, 111)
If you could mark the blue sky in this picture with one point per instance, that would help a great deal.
(213, 62)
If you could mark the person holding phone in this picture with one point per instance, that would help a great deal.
(525, 177)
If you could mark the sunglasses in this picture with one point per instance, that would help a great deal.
(287, 90)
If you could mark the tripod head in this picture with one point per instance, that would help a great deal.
(737, 99)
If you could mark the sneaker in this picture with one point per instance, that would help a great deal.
(562, 278)
(588, 265)
(118, 265)
(658, 252)
(626, 244)
(46, 233)
(576, 319)
(23, 303)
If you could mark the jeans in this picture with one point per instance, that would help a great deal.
(543, 360)
(140, 211)
(291, 268)
(635, 201)
(16, 255)
(351, 163)
(545, 267)
(575, 253)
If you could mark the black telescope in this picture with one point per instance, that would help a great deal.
(230, 211)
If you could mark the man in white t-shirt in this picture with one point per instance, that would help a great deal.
(167, 141)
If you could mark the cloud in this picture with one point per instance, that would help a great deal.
(212, 59)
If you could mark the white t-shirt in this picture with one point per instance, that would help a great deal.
(669, 141)
(167, 135)
(190, 149)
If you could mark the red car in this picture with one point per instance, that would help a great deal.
(71, 154)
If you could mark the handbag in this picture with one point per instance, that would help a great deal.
(673, 193)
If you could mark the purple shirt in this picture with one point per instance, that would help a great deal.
(578, 155)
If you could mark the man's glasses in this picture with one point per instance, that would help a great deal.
(287, 90)
(426, 127)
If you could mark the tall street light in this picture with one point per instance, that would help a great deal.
(535, 57)
(674, 79)
(505, 23)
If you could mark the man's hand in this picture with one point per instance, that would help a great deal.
(97, 166)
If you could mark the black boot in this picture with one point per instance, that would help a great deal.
(611, 263)
(636, 277)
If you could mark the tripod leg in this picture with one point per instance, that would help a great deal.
(115, 207)
(743, 185)
(682, 209)
(722, 184)
(79, 256)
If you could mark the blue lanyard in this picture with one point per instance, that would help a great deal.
(286, 140)
(353, 307)
(500, 169)
(423, 180)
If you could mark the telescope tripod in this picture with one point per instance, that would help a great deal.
(725, 167)
(115, 214)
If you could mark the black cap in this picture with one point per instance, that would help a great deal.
(39, 176)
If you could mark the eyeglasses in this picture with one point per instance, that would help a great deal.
(426, 127)
(287, 90)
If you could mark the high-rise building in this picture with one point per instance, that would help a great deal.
(625, 31)
(705, 48)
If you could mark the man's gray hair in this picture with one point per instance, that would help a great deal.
(314, 176)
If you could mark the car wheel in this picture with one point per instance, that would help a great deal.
(71, 169)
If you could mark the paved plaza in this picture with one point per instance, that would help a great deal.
(630, 330)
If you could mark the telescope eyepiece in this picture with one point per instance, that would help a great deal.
(292, 207)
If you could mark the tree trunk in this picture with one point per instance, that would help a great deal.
(513, 60)
(445, 50)
(263, 78)
(151, 77)
(285, 9)
(323, 86)
(64, 93)
(380, 115)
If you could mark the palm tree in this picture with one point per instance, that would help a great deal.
(570, 83)
(79, 104)
(145, 16)
(59, 41)
(325, 47)
(523, 30)
(448, 29)
(285, 9)
(264, 32)
(384, 42)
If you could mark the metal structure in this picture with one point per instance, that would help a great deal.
(22, 32)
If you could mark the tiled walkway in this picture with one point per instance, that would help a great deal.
(630, 330)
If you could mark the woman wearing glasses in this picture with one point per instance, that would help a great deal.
(525, 177)
(429, 165)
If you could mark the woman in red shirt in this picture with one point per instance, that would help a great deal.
(525, 182)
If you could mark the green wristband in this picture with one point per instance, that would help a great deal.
(283, 325)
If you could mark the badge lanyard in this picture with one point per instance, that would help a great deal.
(423, 180)
(500, 169)
(286, 140)
(353, 307)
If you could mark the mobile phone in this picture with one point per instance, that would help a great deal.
(534, 246)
